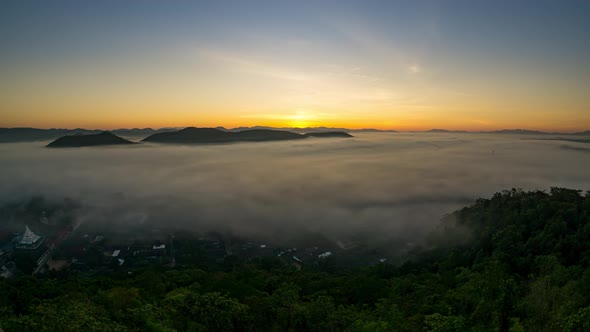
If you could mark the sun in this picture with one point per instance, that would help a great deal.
(301, 119)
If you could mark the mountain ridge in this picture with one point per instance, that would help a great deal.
(193, 135)
(82, 140)
(30, 134)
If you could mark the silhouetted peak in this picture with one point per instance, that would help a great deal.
(80, 140)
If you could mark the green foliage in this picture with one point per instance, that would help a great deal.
(69, 313)
(516, 262)
(516, 326)
(439, 323)
(580, 321)
(216, 312)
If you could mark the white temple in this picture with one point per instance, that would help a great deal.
(29, 240)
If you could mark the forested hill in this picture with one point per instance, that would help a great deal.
(104, 138)
(516, 262)
(192, 135)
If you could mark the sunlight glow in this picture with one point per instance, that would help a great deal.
(301, 119)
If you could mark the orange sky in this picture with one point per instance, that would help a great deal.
(361, 65)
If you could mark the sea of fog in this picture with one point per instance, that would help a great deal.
(382, 185)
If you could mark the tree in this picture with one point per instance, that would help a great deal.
(216, 312)
(439, 323)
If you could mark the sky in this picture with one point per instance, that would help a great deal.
(403, 65)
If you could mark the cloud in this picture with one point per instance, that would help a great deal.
(253, 66)
(575, 148)
(381, 187)
(415, 69)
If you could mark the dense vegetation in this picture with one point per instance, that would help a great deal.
(516, 262)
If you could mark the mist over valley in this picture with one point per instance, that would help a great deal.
(382, 189)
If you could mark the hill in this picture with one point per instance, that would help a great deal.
(104, 138)
(139, 133)
(15, 135)
(442, 131)
(194, 135)
(307, 130)
(518, 132)
(327, 134)
(260, 135)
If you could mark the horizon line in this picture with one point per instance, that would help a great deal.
(441, 130)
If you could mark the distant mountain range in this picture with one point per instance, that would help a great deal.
(507, 132)
(329, 134)
(81, 140)
(519, 132)
(444, 131)
(192, 135)
(308, 130)
(15, 135)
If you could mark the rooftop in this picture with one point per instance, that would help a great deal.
(29, 237)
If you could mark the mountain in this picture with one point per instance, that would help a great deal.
(329, 134)
(194, 135)
(518, 132)
(264, 135)
(140, 133)
(104, 138)
(15, 135)
(509, 132)
(313, 129)
(191, 135)
(444, 131)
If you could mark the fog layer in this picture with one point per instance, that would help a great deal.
(383, 186)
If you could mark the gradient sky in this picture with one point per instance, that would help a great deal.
(406, 65)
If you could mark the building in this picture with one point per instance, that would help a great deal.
(44, 220)
(33, 245)
(158, 250)
(30, 240)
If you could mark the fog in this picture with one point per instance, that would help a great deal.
(381, 186)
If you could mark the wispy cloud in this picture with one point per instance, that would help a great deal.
(251, 65)
(415, 69)
(324, 85)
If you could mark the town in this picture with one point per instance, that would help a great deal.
(56, 240)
